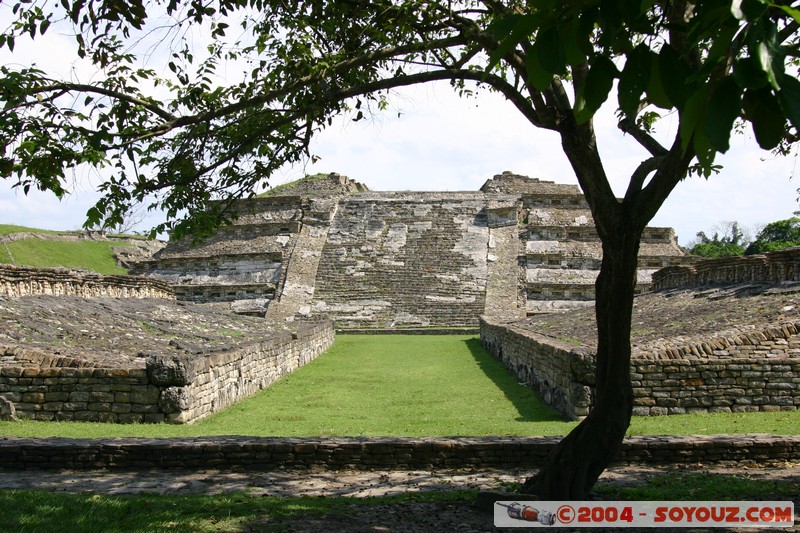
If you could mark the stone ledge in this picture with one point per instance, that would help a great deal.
(409, 331)
(372, 453)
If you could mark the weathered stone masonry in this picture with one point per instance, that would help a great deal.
(775, 267)
(173, 388)
(752, 371)
(17, 281)
(751, 366)
(266, 453)
(328, 247)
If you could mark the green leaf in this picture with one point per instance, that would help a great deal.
(691, 115)
(748, 9)
(789, 99)
(574, 42)
(550, 50)
(634, 79)
(792, 12)
(748, 73)
(595, 90)
(673, 74)
(705, 154)
(510, 31)
(537, 75)
(724, 107)
(765, 60)
(762, 109)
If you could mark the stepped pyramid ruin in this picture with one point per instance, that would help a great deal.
(327, 246)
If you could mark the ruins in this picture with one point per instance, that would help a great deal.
(708, 336)
(326, 246)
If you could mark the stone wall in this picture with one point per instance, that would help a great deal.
(194, 387)
(774, 267)
(561, 373)
(17, 281)
(242, 263)
(177, 389)
(404, 259)
(740, 371)
(380, 453)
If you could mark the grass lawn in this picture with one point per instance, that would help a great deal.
(402, 385)
(35, 510)
(87, 255)
(6, 229)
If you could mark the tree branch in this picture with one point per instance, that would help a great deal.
(86, 88)
(645, 168)
(628, 125)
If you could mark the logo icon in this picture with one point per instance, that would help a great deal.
(527, 513)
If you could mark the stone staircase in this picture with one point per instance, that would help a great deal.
(328, 247)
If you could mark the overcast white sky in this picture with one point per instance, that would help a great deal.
(445, 143)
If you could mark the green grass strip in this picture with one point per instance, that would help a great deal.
(40, 511)
(402, 385)
(6, 229)
(96, 256)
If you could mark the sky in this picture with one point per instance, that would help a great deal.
(432, 139)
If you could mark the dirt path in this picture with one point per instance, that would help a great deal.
(285, 483)
(440, 517)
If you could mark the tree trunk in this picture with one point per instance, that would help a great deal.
(575, 464)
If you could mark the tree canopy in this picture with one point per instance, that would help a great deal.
(189, 132)
(729, 240)
(775, 236)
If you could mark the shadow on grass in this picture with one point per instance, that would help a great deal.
(529, 405)
(85, 513)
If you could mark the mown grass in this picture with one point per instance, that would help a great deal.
(35, 510)
(402, 385)
(701, 487)
(96, 256)
(6, 229)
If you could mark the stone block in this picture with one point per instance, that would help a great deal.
(145, 395)
(175, 399)
(7, 410)
(170, 370)
(33, 397)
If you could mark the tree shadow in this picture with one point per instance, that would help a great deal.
(91, 512)
(528, 403)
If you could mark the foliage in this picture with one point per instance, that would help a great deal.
(731, 243)
(177, 131)
(187, 138)
(776, 236)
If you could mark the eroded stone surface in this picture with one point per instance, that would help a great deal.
(405, 259)
(119, 333)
